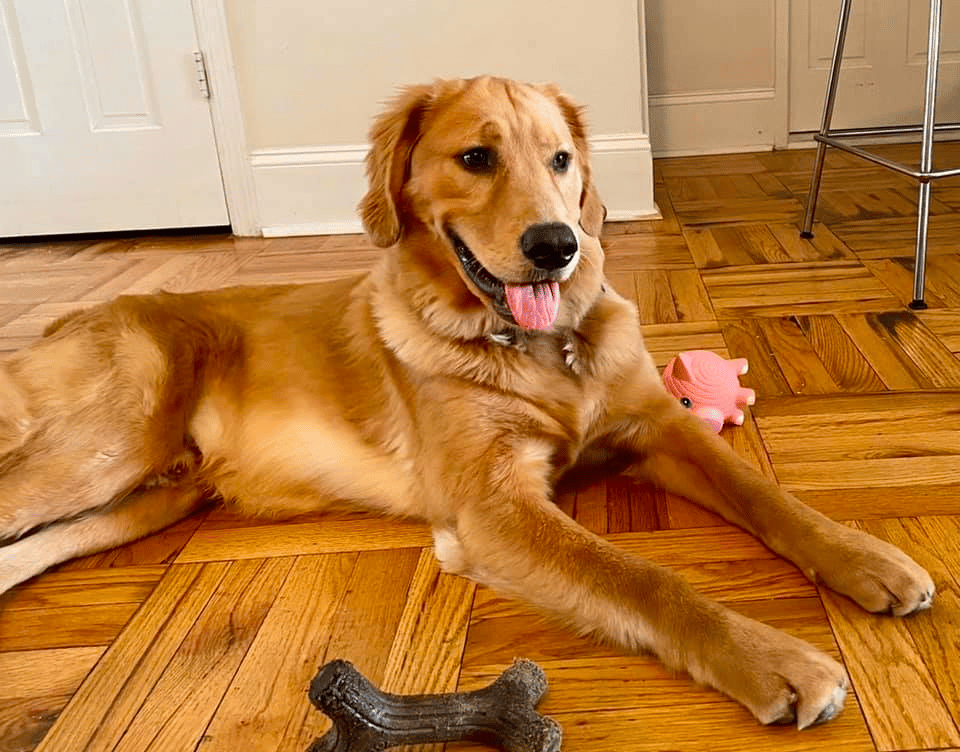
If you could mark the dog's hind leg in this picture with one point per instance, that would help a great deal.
(141, 513)
(90, 412)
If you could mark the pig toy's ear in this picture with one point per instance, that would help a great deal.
(682, 367)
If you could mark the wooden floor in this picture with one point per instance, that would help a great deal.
(205, 636)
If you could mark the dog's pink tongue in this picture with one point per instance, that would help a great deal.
(534, 306)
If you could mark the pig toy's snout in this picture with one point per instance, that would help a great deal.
(712, 415)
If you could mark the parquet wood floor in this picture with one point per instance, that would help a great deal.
(205, 636)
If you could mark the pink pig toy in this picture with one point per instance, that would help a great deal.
(709, 386)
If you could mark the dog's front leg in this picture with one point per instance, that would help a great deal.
(678, 452)
(506, 533)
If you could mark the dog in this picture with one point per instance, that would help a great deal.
(483, 360)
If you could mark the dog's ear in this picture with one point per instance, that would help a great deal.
(392, 138)
(592, 210)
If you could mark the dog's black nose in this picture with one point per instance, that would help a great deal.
(550, 245)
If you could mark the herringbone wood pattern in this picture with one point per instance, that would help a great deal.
(205, 636)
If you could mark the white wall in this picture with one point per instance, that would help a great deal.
(312, 74)
(718, 75)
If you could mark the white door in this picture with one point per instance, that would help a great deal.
(102, 124)
(884, 69)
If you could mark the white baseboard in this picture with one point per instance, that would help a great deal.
(714, 151)
(309, 191)
(315, 190)
(623, 173)
(713, 122)
(804, 140)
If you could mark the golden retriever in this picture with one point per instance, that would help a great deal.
(482, 359)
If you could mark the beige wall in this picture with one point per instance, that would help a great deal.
(313, 73)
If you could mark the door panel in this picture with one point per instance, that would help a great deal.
(101, 124)
(115, 73)
(884, 68)
(18, 108)
(919, 19)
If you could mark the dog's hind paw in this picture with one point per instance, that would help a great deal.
(449, 551)
(14, 565)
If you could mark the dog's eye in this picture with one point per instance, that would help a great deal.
(561, 161)
(686, 402)
(479, 159)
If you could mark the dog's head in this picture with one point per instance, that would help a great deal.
(498, 173)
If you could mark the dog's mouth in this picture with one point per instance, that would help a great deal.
(532, 305)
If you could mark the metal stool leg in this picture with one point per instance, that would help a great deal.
(926, 154)
(834, 79)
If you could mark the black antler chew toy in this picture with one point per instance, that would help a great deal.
(368, 720)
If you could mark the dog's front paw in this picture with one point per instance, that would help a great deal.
(779, 678)
(875, 574)
(573, 355)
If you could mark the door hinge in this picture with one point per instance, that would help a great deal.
(203, 83)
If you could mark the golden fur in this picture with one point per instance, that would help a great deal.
(404, 391)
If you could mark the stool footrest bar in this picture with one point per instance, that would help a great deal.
(890, 164)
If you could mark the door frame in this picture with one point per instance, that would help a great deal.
(226, 113)
(781, 85)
